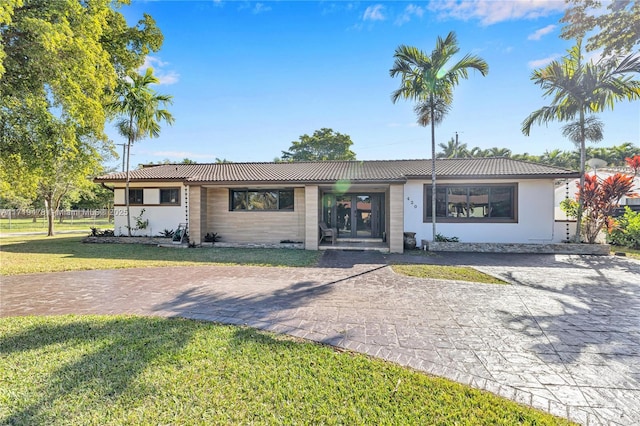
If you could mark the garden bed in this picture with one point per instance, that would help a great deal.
(154, 241)
(555, 248)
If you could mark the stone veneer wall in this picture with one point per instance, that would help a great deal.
(560, 248)
(127, 240)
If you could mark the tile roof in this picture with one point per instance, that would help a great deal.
(332, 171)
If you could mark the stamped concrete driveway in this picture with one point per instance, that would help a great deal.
(564, 337)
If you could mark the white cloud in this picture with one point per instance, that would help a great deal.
(164, 76)
(374, 13)
(260, 8)
(153, 61)
(409, 12)
(538, 63)
(490, 12)
(537, 35)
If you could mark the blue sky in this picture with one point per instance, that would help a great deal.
(248, 78)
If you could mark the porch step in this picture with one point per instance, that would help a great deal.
(359, 240)
(356, 246)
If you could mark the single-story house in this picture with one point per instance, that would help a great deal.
(495, 200)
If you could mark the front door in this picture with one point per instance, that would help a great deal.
(355, 215)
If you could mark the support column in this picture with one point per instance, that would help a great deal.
(311, 232)
(195, 217)
(396, 218)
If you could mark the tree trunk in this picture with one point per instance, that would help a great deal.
(433, 173)
(126, 193)
(582, 171)
(48, 207)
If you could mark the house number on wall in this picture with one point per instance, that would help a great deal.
(415, 206)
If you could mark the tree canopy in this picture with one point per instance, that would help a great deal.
(617, 31)
(325, 144)
(59, 63)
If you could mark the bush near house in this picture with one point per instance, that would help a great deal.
(625, 230)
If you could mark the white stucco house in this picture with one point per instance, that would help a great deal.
(494, 200)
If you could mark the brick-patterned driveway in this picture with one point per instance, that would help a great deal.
(564, 337)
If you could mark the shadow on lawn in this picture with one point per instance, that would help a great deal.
(117, 351)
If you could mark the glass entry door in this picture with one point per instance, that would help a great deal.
(354, 215)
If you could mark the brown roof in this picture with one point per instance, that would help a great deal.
(332, 171)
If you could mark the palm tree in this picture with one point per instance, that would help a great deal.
(429, 80)
(579, 89)
(141, 109)
(498, 152)
(452, 149)
(477, 152)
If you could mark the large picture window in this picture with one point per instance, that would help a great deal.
(473, 203)
(260, 199)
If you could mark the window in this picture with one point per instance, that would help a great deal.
(136, 196)
(260, 199)
(170, 196)
(473, 203)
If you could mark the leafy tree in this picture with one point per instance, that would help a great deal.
(580, 88)
(59, 61)
(616, 31)
(323, 145)
(429, 80)
(141, 109)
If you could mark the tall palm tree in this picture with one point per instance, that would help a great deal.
(580, 88)
(141, 109)
(429, 80)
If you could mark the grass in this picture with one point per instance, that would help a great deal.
(629, 252)
(96, 370)
(445, 272)
(77, 224)
(33, 254)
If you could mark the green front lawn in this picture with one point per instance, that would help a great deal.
(40, 225)
(97, 370)
(629, 252)
(444, 272)
(32, 254)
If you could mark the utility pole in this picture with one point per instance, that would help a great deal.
(124, 152)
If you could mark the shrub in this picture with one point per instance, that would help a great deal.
(95, 232)
(212, 237)
(167, 233)
(626, 230)
(442, 239)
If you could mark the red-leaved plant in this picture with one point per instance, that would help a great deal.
(634, 164)
(600, 198)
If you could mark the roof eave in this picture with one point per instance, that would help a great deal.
(487, 177)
